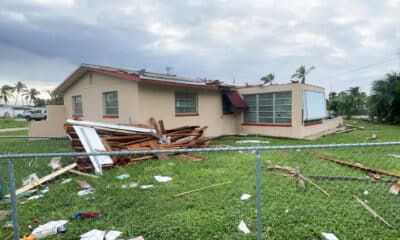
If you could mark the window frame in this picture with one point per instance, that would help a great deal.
(270, 110)
(106, 113)
(74, 112)
(193, 97)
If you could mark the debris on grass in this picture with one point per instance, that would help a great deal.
(144, 187)
(137, 238)
(50, 228)
(139, 137)
(395, 188)
(245, 197)
(243, 227)
(162, 179)
(8, 224)
(295, 173)
(85, 192)
(4, 214)
(373, 137)
(394, 155)
(372, 212)
(200, 189)
(366, 192)
(30, 179)
(83, 174)
(124, 185)
(349, 178)
(68, 180)
(133, 184)
(113, 235)
(35, 197)
(355, 165)
(123, 176)
(86, 215)
(55, 163)
(94, 234)
(84, 185)
(329, 236)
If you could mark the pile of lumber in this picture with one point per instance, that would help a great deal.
(97, 137)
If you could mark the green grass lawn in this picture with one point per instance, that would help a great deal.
(289, 212)
(12, 123)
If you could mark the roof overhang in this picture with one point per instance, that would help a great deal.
(236, 100)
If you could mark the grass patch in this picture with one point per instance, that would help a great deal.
(12, 123)
(288, 211)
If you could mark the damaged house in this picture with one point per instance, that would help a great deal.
(121, 96)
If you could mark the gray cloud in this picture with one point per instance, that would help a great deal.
(213, 39)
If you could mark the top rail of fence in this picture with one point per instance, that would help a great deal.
(210, 149)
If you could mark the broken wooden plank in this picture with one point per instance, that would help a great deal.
(349, 178)
(355, 165)
(162, 127)
(200, 189)
(44, 179)
(83, 174)
(161, 156)
(190, 157)
(155, 126)
(373, 213)
(112, 127)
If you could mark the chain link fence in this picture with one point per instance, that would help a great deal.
(296, 192)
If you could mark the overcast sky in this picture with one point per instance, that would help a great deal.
(351, 43)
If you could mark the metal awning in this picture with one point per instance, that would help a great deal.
(236, 100)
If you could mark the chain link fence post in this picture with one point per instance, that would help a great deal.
(2, 186)
(13, 196)
(258, 194)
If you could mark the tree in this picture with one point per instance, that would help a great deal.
(6, 93)
(302, 72)
(55, 99)
(384, 102)
(348, 103)
(30, 95)
(19, 87)
(39, 102)
(268, 79)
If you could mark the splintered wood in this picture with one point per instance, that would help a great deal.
(137, 137)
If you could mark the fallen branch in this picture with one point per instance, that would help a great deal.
(200, 189)
(355, 165)
(348, 178)
(370, 210)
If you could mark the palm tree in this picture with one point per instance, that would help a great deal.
(302, 72)
(30, 95)
(19, 87)
(6, 93)
(268, 79)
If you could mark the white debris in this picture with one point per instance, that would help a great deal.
(123, 176)
(162, 178)
(366, 192)
(113, 235)
(30, 179)
(35, 197)
(286, 211)
(395, 188)
(146, 186)
(171, 164)
(49, 228)
(66, 181)
(55, 163)
(394, 155)
(137, 238)
(245, 197)
(44, 190)
(298, 150)
(85, 192)
(242, 227)
(93, 235)
(329, 236)
(251, 141)
(133, 185)
(124, 186)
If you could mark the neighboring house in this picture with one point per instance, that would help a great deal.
(123, 96)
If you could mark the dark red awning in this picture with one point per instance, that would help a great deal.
(236, 100)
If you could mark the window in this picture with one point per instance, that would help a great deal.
(185, 103)
(110, 100)
(274, 108)
(314, 104)
(226, 104)
(77, 105)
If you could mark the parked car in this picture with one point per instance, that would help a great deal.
(35, 114)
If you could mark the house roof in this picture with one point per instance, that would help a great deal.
(141, 76)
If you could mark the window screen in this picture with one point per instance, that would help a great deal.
(77, 105)
(185, 103)
(314, 105)
(110, 100)
(269, 108)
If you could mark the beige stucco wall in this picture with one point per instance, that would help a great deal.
(91, 86)
(159, 102)
(296, 130)
(53, 126)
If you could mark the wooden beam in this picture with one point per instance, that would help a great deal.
(200, 189)
(83, 174)
(355, 165)
(155, 126)
(44, 179)
(162, 127)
